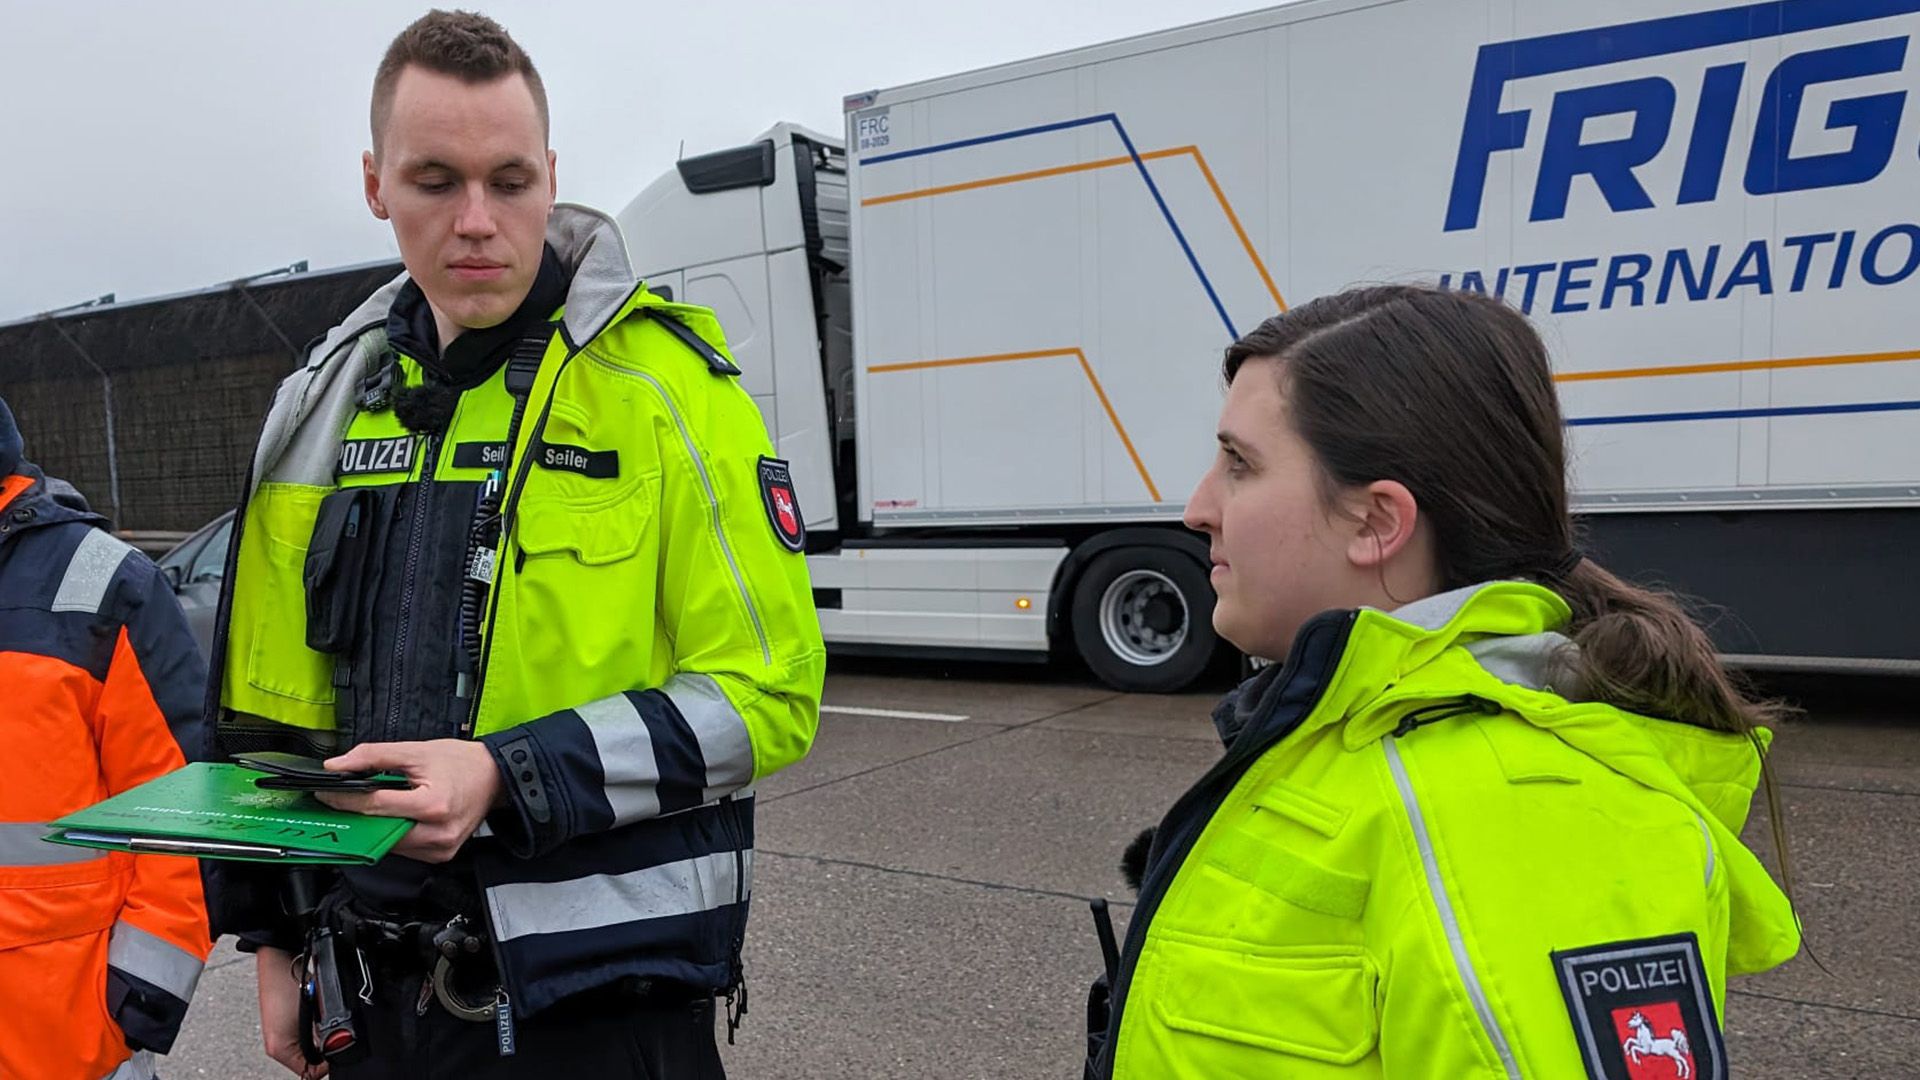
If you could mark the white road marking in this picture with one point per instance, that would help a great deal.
(892, 714)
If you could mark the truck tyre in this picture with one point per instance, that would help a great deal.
(1143, 619)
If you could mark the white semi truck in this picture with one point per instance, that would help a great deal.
(985, 322)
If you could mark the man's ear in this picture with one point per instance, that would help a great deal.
(553, 181)
(370, 179)
(1384, 516)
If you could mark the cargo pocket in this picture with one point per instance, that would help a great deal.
(64, 899)
(1280, 1005)
(564, 549)
(594, 505)
(591, 532)
(282, 679)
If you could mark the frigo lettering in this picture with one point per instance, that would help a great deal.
(1825, 115)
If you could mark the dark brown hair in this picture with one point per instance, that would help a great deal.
(1451, 394)
(468, 46)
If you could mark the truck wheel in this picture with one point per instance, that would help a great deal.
(1143, 619)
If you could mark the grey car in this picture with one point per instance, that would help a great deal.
(195, 567)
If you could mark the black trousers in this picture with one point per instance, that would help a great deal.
(608, 1034)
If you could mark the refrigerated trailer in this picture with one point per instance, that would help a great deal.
(985, 321)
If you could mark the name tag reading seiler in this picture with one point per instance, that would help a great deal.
(596, 464)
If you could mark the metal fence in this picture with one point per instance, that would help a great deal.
(151, 409)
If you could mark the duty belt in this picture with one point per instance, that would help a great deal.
(432, 945)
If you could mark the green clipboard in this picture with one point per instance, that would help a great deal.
(214, 811)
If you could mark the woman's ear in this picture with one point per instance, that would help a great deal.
(1385, 516)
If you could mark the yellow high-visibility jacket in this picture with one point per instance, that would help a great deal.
(651, 647)
(1420, 859)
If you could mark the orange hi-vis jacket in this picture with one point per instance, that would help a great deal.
(100, 689)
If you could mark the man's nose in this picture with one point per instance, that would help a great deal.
(476, 213)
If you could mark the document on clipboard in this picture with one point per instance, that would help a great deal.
(215, 811)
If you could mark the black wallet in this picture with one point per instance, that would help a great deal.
(295, 772)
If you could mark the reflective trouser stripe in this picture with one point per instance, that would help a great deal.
(586, 903)
(137, 1067)
(90, 571)
(154, 960)
(22, 844)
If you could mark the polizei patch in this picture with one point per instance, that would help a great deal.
(1642, 1010)
(598, 464)
(358, 457)
(783, 506)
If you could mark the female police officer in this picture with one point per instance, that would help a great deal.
(1484, 820)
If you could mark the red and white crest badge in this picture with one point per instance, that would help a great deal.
(1642, 1010)
(783, 505)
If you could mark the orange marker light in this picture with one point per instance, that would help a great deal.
(1023, 603)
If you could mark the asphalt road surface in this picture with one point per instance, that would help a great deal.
(921, 887)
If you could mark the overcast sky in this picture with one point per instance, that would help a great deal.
(160, 147)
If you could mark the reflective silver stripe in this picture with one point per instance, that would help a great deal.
(720, 730)
(1706, 837)
(1444, 903)
(713, 503)
(154, 959)
(137, 1067)
(587, 903)
(21, 845)
(627, 760)
(89, 572)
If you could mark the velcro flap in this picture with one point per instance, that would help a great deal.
(1289, 876)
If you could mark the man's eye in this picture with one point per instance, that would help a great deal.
(434, 187)
(511, 187)
(1235, 463)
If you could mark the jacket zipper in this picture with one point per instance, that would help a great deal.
(1476, 991)
(416, 526)
(736, 967)
(1196, 808)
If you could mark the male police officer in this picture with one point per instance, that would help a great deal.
(101, 684)
(510, 531)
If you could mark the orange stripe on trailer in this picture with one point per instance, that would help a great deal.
(1234, 220)
(1042, 354)
(1199, 159)
(1015, 178)
(1739, 365)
